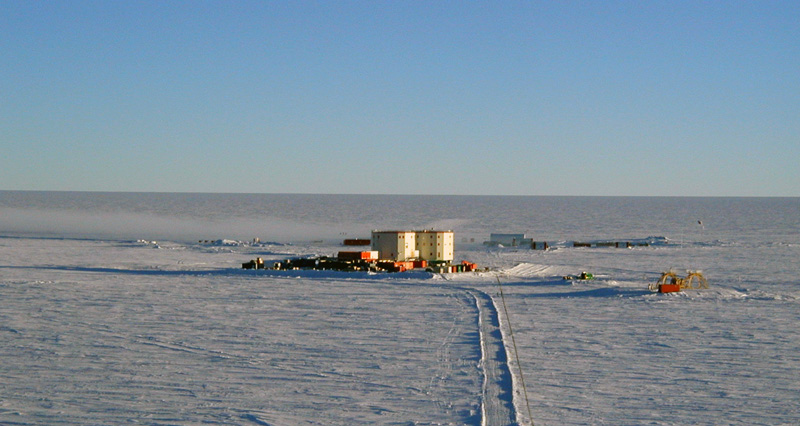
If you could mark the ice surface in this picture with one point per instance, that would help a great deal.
(158, 330)
(163, 343)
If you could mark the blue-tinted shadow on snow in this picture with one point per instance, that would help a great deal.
(254, 419)
(602, 292)
(561, 288)
(538, 283)
(301, 273)
(109, 270)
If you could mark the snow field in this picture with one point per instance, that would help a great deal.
(594, 354)
(101, 344)
(98, 332)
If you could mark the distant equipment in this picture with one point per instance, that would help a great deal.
(257, 263)
(670, 282)
(582, 276)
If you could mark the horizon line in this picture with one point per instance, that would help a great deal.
(390, 194)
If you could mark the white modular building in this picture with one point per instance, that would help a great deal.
(435, 245)
(395, 245)
(414, 245)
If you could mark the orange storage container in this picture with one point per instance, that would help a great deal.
(404, 265)
(370, 255)
(668, 288)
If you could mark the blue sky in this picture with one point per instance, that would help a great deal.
(511, 98)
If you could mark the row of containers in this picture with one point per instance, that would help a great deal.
(362, 261)
(401, 266)
(464, 266)
(438, 267)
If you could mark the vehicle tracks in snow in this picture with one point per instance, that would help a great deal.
(497, 406)
(496, 396)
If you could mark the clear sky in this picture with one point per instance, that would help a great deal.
(697, 98)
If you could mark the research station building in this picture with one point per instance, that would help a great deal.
(414, 245)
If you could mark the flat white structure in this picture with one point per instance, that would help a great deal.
(414, 245)
(509, 239)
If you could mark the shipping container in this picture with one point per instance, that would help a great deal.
(405, 265)
(669, 288)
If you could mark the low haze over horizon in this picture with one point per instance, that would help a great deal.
(499, 98)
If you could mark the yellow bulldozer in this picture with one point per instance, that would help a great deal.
(670, 282)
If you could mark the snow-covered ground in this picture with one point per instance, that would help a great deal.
(114, 332)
